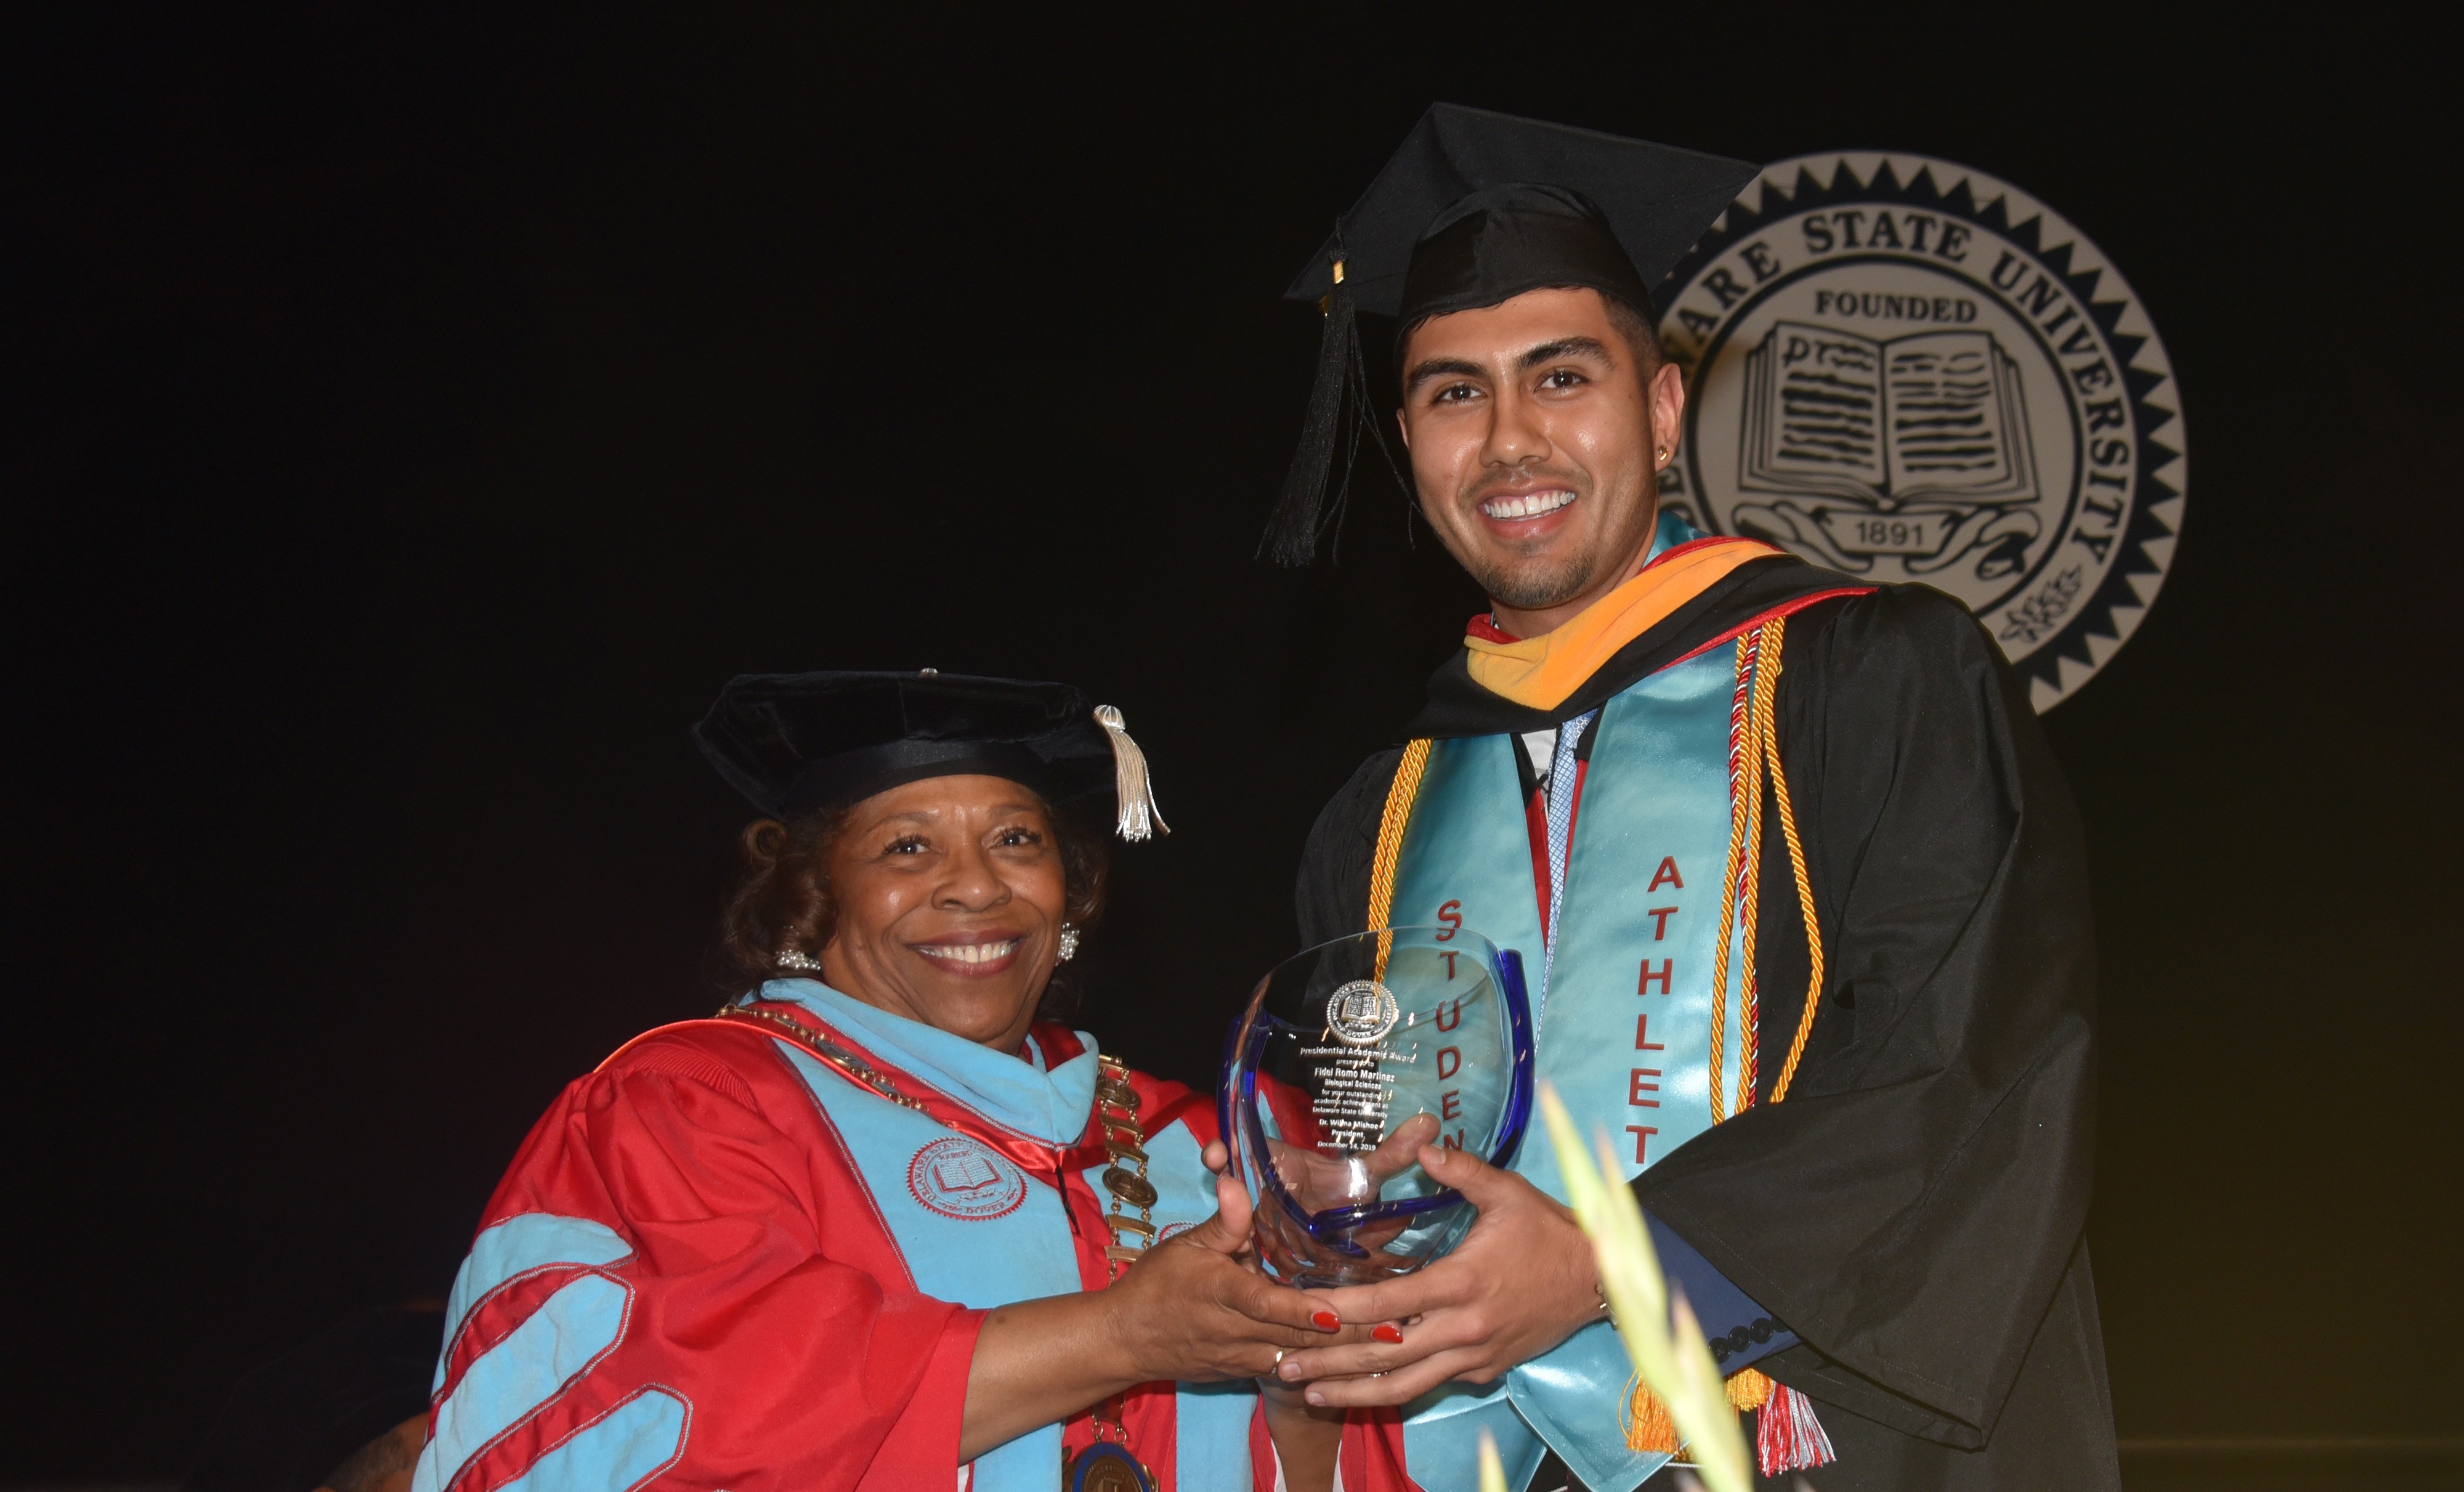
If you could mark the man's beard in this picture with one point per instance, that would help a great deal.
(1535, 588)
(1551, 581)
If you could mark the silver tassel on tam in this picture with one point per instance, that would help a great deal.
(1139, 817)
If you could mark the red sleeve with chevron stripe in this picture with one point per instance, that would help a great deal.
(704, 1293)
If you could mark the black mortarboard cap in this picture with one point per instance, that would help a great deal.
(290, 1422)
(801, 743)
(1476, 208)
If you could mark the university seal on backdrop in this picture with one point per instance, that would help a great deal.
(1906, 370)
(966, 1179)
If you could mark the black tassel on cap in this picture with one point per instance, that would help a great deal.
(1338, 411)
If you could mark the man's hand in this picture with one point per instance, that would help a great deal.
(1524, 1281)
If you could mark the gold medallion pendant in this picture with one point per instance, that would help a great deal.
(1106, 1467)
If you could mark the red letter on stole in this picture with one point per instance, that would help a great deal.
(1642, 1134)
(1636, 1087)
(1451, 913)
(1642, 1042)
(1666, 875)
(1450, 1104)
(1643, 985)
(1446, 1069)
(1660, 917)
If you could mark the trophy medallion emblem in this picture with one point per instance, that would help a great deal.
(1349, 1059)
(1362, 1012)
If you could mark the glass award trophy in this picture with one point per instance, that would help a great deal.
(1349, 1057)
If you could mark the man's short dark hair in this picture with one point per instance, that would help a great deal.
(1636, 328)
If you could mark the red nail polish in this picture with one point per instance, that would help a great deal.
(1388, 1332)
(1326, 1321)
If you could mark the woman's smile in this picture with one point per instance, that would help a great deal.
(976, 955)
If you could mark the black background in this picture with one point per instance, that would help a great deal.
(418, 414)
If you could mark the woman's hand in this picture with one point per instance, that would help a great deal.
(1308, 1438)
(1187, 1311)
(1190, 1311)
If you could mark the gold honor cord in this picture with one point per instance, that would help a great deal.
(1737, 881)
(1400, 796)
(1753, 762)
(1753, 759)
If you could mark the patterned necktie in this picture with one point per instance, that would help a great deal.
(1563, 774)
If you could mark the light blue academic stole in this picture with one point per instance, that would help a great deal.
(978, 1230)
(1624, 1024)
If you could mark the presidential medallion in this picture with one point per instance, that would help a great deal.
(1106, 1467)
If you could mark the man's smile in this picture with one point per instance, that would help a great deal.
(1526, 505)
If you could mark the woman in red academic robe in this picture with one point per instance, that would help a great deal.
(875, 1225)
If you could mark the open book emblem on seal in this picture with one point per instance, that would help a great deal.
(1905, 370)
(1926, 437)
(966, 1179)
(1361, 1013)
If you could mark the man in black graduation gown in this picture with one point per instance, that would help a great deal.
(1885, 1211)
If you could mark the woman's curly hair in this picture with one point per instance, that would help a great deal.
(782, 901)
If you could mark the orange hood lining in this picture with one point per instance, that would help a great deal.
(1540, 673)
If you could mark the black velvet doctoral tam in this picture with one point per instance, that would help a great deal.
(798, 743)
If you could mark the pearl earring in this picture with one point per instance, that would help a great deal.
(1069, 942)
